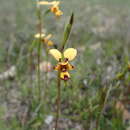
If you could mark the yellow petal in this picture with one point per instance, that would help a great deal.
(55, 3)
(70, 53)
(38, 35)
(57, 67)
(48, 36)
(59, 13)
(50, 43)
(44, 3)
(54, 9)
(70, 67)
(56, 54)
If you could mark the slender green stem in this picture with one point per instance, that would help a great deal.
(30, 92)
(38, 74)
(58, 101)
(39, 51)
(46, 77)
(30, 72)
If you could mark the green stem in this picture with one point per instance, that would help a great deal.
(30, 63)
(46, 78)
(39, 51)
(58, 101)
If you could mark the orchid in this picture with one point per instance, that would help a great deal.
(45, 38)
(63, 59)
(54, 7)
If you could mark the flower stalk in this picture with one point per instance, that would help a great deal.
(58, 101)
(64, 66)
(39, 50)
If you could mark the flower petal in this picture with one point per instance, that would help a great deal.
(70, 67)
(50, 43)
(56, 54)
(38, 35)
(48, 36)
(59, 13)
(65, 76)
(44, 3)
(70, 53)
(56, 3)
(57, 67)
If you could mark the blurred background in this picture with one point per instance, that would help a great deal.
(101, 34)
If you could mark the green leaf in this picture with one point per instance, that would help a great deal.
(67, 32)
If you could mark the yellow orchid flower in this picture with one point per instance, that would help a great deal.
(54, 7)
(63, 61)
(44, 38)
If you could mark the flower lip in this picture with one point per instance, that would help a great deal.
(66, 77)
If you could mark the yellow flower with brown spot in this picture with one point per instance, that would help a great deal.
(45, 39)
(54, 7)
(63, 59)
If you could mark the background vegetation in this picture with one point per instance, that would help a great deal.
(98, 92)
